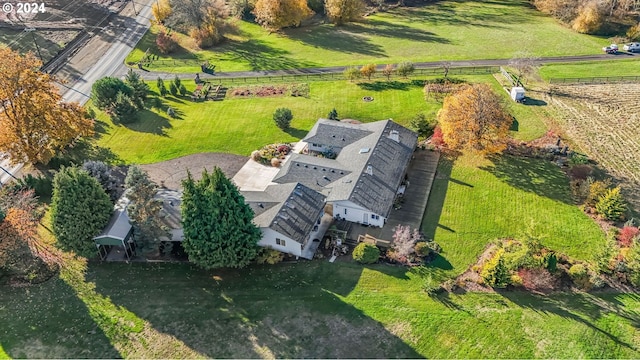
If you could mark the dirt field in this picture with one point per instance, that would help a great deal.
(61, 22)
(604, 120)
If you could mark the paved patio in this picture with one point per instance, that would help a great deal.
(254, 176)
(311, 246)
(421, 173)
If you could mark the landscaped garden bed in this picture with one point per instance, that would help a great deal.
(272, 154)
(295, 90)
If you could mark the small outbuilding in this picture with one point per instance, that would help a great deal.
(517, 94)
(118, 231)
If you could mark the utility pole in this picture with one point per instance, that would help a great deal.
(31, 30)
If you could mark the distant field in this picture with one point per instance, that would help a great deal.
(591, 69)
(444, 30)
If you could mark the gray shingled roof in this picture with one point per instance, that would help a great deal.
(335, 134)
(119, 226)
(290, 209)
(388, 160)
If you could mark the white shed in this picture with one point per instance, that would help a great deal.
(517, 94)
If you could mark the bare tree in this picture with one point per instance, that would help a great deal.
(524, 64)
(446, 66)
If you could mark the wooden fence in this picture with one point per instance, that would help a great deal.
(595, 80)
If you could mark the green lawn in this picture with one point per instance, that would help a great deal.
(451, 30)
(591, 69)
(239, 125)
(474, 201)
(309, 309)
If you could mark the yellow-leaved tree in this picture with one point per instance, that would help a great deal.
(344, 11)
(473, 118)
(277, 14)
(34, 122)
(161, 10)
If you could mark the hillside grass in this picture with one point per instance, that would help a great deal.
(591, 69)
(452, 30)
(474, 201)
(301, 310)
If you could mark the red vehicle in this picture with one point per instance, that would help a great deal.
(611, 49)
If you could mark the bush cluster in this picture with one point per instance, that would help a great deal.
(270, 152)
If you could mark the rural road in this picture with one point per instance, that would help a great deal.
(151, 75)
(111, 63)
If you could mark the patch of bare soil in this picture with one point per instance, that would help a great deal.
(170, 173)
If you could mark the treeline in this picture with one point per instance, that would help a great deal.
(595, 16)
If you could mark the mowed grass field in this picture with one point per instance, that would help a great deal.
(241, 125)
(474, 201)
(444, 30)
(301, 310)
(589, 69)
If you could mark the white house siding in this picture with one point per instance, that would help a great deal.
(354, 213)
(269, 240)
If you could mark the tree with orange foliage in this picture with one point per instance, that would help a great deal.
(161, 10)
(277, 14)
(34, 122)
(474, 118)
(344, 11)
(368, 70)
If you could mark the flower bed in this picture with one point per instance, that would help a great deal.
(270, 90)
(270, 152)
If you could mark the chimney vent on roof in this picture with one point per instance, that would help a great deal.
(369, 169)
(394, 135)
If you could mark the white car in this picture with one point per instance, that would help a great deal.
(632, 47)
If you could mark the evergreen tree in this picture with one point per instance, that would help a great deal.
(140, 88)
(218, 228)
(104, 92)
(144, 211)
(124, 110)
(611, 205)
(102, 172)
(162, 89)
(495, 272)
(80, 209)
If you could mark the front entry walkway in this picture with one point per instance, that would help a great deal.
(420, 175)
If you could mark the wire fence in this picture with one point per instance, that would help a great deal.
(595, 80)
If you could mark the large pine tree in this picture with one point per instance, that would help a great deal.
(218, 231)
(80, 209)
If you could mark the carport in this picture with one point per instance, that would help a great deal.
(117, 232)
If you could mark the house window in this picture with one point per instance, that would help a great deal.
(374, 216)
(280, 242)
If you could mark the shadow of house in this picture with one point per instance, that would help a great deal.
(533, 175)
(431, 219)
(280, 311)
(55, 324)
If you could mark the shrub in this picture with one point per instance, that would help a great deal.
(166, 43)
(283, 117)
(366, 253)
(427, 248)
(516, 280)
(634, 32)
(275, 162)
(611, 205)
(351, 73)
(405, 68)
(580, 276)
(269, 256)
(171, 112)
(173, 89)
(182, 90)
(580, 172)
(368, 70)
(597, 189)
(255, 156)
(537, 279)
(437, 139)
(206, 36)
(589, 19)
(422, 125)
(578, 159)
(284, 149)
(162, 89)
(42, 186)
(627, 235)
(124, 111)
(494, 272)
(333, 115)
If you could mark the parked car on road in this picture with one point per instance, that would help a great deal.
(632, 47)
(611, 49)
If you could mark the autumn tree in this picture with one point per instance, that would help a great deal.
(80, 209)
(218, 227)
(204, 20)
(589, 19)
(144, 210)
(474, 118)
(34, 121)
(368, 70)
(351, 73)
(388, 71)
(344, 11)
(405, 68)
(161, 10)
(277, 14)
(166, 43)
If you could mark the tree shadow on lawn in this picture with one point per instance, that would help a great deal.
(348, 39)
(296, 133)
(82, 150)
(581, 308)
(260, 56)
(150, 122)
(532, 175)
(282, 311)
(48, 320)
(375, 27)
(386, 85)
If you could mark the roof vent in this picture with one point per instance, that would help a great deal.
(260, 205)
(297, 164)
(290, 205)
(394, 135)
(364, 150)
(369, 169)
(332, 170)
(326, 178)
(297, 192)
(315, 168)
(283, 216)
(333, 136)
(323, 169)
(305, 165)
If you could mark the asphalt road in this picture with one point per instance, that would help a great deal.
(111, 64)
